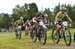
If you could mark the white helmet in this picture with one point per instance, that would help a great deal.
(27, 20)
(46, 15)
(63, 8)
(21, 18)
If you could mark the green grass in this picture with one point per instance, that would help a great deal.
(10, 42)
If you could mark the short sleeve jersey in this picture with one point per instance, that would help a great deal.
(61, 16)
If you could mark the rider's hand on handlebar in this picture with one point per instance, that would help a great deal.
(71, 24)
(23, 25)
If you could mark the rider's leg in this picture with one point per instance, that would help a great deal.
(58, 27)
(63, 29)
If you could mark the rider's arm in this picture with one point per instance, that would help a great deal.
(15, 22)
(56, 18)
(68, 18)
(23, 22)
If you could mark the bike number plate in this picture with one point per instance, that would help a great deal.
(19, 27)
(65, 23)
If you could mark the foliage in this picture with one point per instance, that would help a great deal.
(5, 21)
(27, 11)
(70, 11)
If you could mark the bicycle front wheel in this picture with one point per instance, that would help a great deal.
(33, 36)
(42, 37)
(67, 37)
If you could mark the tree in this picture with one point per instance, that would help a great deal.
(33, 9)
(16, 12)
(27, 11)
(70, 11)
(57, 8)
(47, 11)
(5, 21)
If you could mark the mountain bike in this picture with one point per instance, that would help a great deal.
(63, 33)
(18, 32)
(39, 34)
(26, 30)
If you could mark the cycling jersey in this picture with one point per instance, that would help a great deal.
(19, 22)
(45, 20)
(34, 19)
(60, 16)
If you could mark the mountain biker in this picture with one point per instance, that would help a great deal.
(19, 22)
(45, 18)
(59, 18)
(36, 19)
(27, 23)
(27, 27)
(46, 22)
(42, 20)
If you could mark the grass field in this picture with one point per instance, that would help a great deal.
(10, 42)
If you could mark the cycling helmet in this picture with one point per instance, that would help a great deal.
(27, 20)
(46, 15)
(21, 18)
(63, 9)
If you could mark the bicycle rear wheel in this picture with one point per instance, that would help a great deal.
(55, 36)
